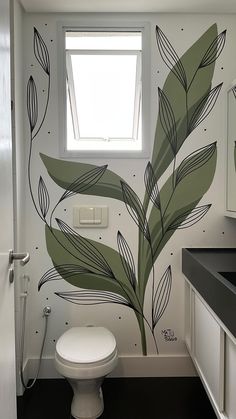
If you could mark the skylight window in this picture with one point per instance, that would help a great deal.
(104, 90)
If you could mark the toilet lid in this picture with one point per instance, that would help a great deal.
(86, 344)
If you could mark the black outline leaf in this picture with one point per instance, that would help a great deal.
(41, 52)
(204, 107)
(162, 296)
(32, 103)
(92, 297)
(170, 57)
(61, 271)
(135, 209)
(194, 161)
(127, 259)
(93, 257)
(189, 218)
(151, 185)
(214, 50)
(43, 197)
(84, 182)
(167, 119)
(234, 91)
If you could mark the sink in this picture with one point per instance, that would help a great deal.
(230, 276)
(212, 273)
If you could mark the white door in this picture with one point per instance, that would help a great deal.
(7, 327)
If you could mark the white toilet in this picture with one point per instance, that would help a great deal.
(85, 355)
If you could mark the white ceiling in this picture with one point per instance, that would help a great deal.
(159, 6)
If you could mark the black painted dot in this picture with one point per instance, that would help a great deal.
(54, 340)
(182, 29)
(134, 175)
(43, 90)
(31, 65)
(51, 40)
(171, 254)
(205, 129)
(158, 71)
(119, 317)
(100, 238)
(49, 132)
(47, 298)
(222, 68)
(66, 323)
(223, 232)
(45, 24)
(36, 331)
(65, 209)
(36, 247)
(135, 344)
(119, 214)
(203, 231)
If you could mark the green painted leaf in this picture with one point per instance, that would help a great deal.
(64, 173)
(195, 160)
(127, 259)
(62, 252)
(177, 204)
(85, 182)
(214, 50)
(56, 273)
(167, 119)
(151, 185)
(135, 209)
(189, 218)
(198, 86)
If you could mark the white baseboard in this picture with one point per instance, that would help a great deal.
(129, 366)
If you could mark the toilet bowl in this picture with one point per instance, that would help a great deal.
(84, 356)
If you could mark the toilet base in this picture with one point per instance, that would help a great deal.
(87, 401)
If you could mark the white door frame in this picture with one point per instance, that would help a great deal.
(7, 321)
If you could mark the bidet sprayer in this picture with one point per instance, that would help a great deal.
(47, 311)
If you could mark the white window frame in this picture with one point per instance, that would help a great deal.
(143, 87)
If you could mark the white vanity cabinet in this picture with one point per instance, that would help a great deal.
(213, 351)
(231, 152)
(230, 379)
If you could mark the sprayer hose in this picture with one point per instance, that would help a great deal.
(22, 347)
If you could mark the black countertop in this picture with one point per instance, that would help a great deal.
(201, 267)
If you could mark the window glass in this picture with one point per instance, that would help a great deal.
(104, 40)
(104, 90)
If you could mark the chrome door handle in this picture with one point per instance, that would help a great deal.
(23, 257)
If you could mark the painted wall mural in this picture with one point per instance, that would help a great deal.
(101, 273)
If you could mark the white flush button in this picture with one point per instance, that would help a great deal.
(88, 216)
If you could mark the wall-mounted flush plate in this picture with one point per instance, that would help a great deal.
(90, 216)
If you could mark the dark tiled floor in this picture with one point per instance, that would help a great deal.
(125, 398)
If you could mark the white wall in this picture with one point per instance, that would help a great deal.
(213, 230)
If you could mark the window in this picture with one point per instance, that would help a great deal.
(104, 92)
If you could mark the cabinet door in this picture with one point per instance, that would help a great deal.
(230, 379)
(231, 169)
(188, 316)
(208, 351)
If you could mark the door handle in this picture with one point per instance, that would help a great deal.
(23, 257)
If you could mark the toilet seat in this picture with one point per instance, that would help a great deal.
(86, 353)
(86, 345)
